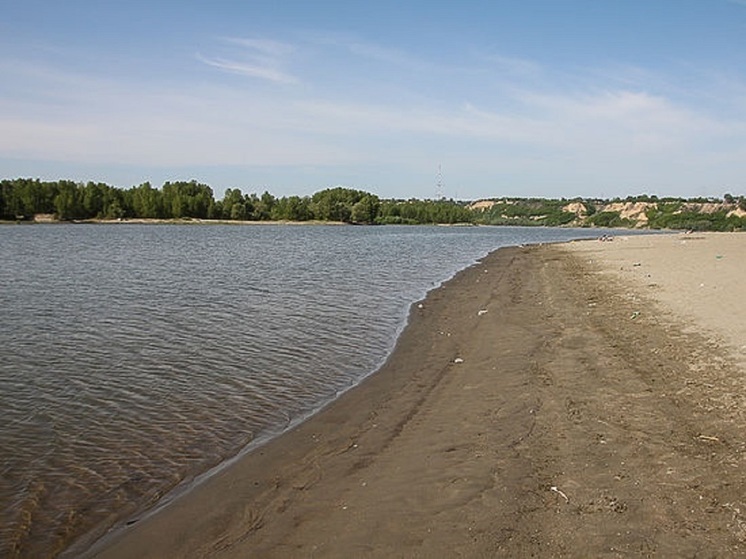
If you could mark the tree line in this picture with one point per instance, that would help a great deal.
(23, 198)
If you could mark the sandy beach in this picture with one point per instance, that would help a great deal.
(698, 278)
(575, 400)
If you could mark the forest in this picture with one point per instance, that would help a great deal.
(21, 199)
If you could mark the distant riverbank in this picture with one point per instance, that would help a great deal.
(34, 200)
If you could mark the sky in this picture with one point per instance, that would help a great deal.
(468, 99)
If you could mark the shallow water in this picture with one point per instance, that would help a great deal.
(136, 357)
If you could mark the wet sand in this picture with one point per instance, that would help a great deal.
(545, 402)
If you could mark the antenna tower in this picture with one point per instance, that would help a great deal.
(439, 185)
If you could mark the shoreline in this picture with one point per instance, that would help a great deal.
(619, 230)
(371, 383)
(523, 411)
(158, 221)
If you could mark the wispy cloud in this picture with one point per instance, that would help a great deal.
(255, 58)
(266, 46)
(384, 54)
(368, 51)
(511, 65)
(250, 69)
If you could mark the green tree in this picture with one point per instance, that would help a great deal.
(93, 199)
(147, 202)
(335, 204)
(187, 199)
(238, 212)
(11, 204)
(292, 208)
(234, 205)
(27, 197)
(115, 205)
(366, 209)
(608, 219)
(68, 202)
(264, 206)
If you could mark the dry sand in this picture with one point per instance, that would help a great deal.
(555, 401)
(700, 279)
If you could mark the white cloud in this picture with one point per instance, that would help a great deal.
(634, 122)
(267, 46)
(366, 51)
(255, 58)
(260, 68)
(625, 121)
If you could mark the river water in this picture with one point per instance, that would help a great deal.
(136, 357)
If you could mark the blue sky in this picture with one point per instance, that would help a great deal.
(519, 98)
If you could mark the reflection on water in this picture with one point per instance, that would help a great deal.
(134, 357)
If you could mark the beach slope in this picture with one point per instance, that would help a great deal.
(541, 403)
